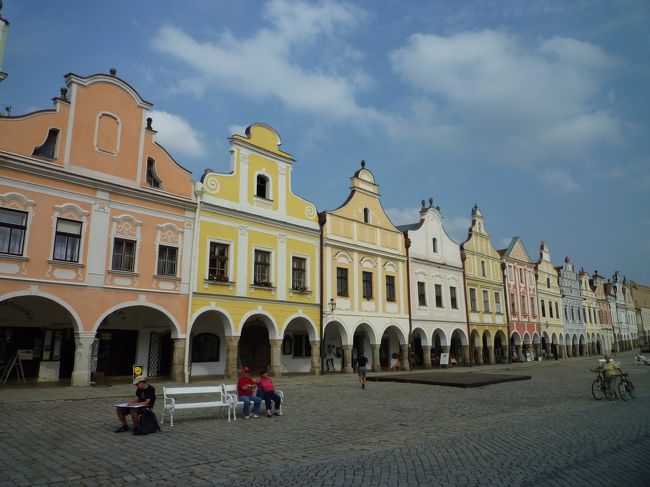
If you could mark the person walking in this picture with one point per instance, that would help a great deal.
(245, 386)
(362, 363)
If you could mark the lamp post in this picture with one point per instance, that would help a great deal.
(331, 304)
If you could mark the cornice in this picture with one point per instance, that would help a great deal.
(366, 250)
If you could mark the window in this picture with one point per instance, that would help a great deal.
(301, 346)
(218, 262)
(557, 311)
(422, 294)
(67, 240)
(438, 291)
(366, 215)
(548, 282)
(262, 187)
(48, 149)
(543, 308)
(573, 316)
(123, 255)
(390, 288)
(299, 273)
(486, 301)
(513, 304)
(262, 273)
(584, 314)
(532, 306)
(367, 285)
(152, 178)
(452, 296)
(523, 304)
(472, 300)
(550, 309)
(13, 225)
(566, 313)
(341, 281)
(205, 348)
(483, 273)
(435, 245)
(167, 258)
(497, 302)
(521, 277)
(511, 275)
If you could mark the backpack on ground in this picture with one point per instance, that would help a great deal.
(148, 423)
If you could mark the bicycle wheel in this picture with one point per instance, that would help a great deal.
(630, 388)
(622, 389)
(610, 390)
(597, 389)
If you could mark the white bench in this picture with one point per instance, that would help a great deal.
(231, 391)
(217, 399)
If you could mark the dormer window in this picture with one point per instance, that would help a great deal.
(48, 149)
(366, 215)
(152, 178)
(262, 187)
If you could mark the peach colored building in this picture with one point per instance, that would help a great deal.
(96, 229)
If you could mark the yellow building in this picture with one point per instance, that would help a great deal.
(487, 322)
(255, 300)
(550, 304)
(365, 276)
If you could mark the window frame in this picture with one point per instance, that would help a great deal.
(453, 297)
(473, 303)
(13, 226)
(434, 244)
(437, 292)
(133, 257)
(390, 289)
(268, 195)
(295, 285)
(166, 261)
(339, 281)
(215, 276)
(366, 280)
(486, 301)
(497, 302)
(257, 281)
(422, 293)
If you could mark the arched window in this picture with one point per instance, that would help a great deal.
(48, 148)
(152, 177)
(262, 187)
(366, 215)
(205, 348)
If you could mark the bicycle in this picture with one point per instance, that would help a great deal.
(625, 387)
(601, 388)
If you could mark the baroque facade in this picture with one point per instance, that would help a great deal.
(575, 340)
(97, 225)
(549, 298)
(436, 288)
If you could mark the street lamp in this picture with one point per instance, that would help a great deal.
(331, 305)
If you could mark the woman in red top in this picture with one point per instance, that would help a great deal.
(266, 385)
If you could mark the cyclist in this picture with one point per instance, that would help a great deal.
(609, 370)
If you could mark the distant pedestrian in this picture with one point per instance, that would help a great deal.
(362, 362)
(329, 359)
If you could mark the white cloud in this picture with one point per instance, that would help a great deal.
(228, 62)
(403, 216)
(559, 179)
(518, 104)
(456, 227)
(176, 134)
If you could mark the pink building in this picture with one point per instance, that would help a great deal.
(521, 297)
(95, 238)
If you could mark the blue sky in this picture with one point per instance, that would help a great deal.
(537, 111)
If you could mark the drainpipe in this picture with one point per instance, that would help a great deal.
(463, 257)
(198, 193)
(407, 245)
(322, 218)
(505, 303)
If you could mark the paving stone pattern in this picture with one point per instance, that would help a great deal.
(544, 431)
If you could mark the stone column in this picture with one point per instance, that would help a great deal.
(479, 355)
(178, 360)
(232, 346)
(466, 354)
(276, 362)
(426, 356)
(491, 358)
(347, 359)
(376, 366)
(404, 357)
(82, 354)
(315, 358)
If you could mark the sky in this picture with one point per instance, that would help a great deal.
(537, 111)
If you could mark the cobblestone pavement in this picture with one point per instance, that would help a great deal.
(545, 431)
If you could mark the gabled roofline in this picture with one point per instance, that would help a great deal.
(108, 78)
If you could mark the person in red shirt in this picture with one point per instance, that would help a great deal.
(265, 384)
(245, 387)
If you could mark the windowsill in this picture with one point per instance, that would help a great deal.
(263, 198)
(166, 277)
(14, 257)
(300, 291)
(422, 306)
(368, 298)
(391, 300)
(258, 286)
(123, 273)
(343, 295)
(219, 283)
(65, 263)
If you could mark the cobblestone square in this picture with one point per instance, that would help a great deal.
(545, 431)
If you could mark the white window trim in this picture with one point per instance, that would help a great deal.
(231, 260)
(271, 265)
(307, 270)
(269, 185)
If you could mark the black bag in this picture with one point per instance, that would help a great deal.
(148, 423)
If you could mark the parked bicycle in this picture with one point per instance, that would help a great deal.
(602, 388)
(625, 387)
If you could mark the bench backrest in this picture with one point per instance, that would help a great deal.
(229, 388)
(174, 391)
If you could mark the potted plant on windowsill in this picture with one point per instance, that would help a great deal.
(217, 278)
(261, 283)
(301, 290)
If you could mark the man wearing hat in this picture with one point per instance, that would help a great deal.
(245, 387)
(146, 397)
